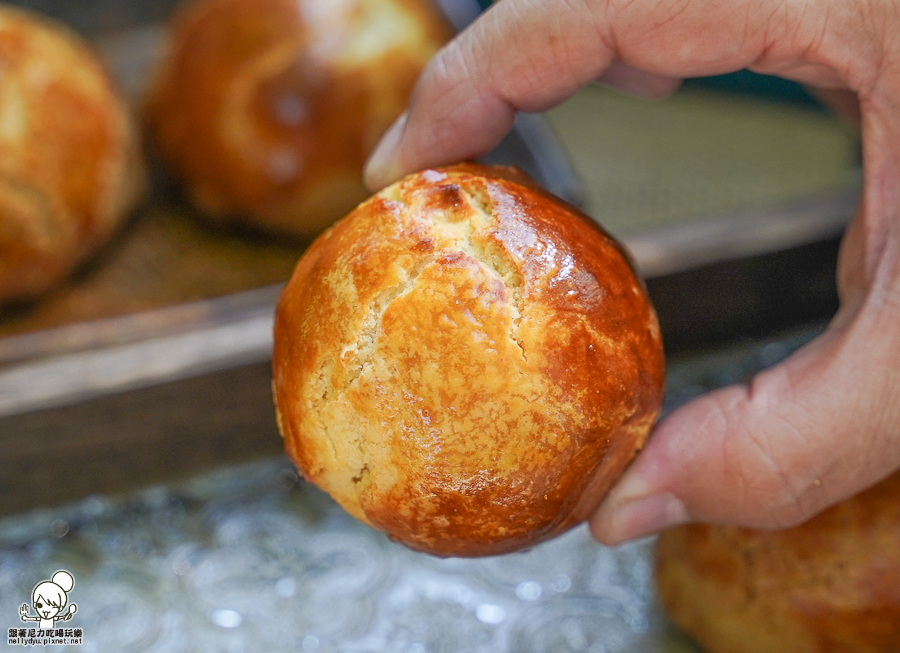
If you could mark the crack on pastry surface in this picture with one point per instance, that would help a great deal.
(361, 350)
(492, 254)
(452, 391)
(468, 224)
(466, 236)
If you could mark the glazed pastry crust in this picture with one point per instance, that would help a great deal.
(466, 362)
(70, 166)
(830, 585)
(266, 110)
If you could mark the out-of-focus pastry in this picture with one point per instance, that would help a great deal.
(466, 362)
(831, 585)
(265, 110)
(70, 167)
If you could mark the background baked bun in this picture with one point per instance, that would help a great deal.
(267, 109)
(831, 585)
(466, 362)
(69, 159)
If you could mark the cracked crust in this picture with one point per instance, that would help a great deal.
(829, 585)
(466, 362)
(70, 167)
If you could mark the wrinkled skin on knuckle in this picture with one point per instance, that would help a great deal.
(881, 21)
(445, 93)
(540, 67)
(758, 462)
(442, 78)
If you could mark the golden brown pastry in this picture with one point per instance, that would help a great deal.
(831, 585)
(267, 109)
(69, 160)
(466, 362)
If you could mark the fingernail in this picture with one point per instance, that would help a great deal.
(639, 517)
(382, 167)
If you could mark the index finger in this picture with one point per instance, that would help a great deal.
(530, 55)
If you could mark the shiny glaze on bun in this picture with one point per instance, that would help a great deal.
(466, 362)
(265, 110)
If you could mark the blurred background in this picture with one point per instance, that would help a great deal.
(138, 448)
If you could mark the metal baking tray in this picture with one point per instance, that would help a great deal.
(136, 399)
(141, 397)
(133, 398)
(122, 401)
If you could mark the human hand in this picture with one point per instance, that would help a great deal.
(811, 431)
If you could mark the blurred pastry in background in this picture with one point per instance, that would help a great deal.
(265, 110)
(70, 166)
(832, 584)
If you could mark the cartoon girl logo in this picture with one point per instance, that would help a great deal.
(49, 598)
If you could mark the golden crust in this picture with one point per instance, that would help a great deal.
(830, 585)
(466, 362)
(267, 109)
(69, 159)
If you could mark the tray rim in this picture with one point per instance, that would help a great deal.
(83, 360)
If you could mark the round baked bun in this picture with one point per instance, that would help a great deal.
(831, 585)
(466, 362)
(266, 110)
(70, 169)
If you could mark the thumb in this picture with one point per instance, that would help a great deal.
(806, 434)
(813, 431)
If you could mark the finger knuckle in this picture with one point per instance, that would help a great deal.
(758, 453)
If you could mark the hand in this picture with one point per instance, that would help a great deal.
(803, 435)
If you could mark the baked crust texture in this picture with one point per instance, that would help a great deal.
(70, 166)
(831, 585)
(266, 110)
(466, 362)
